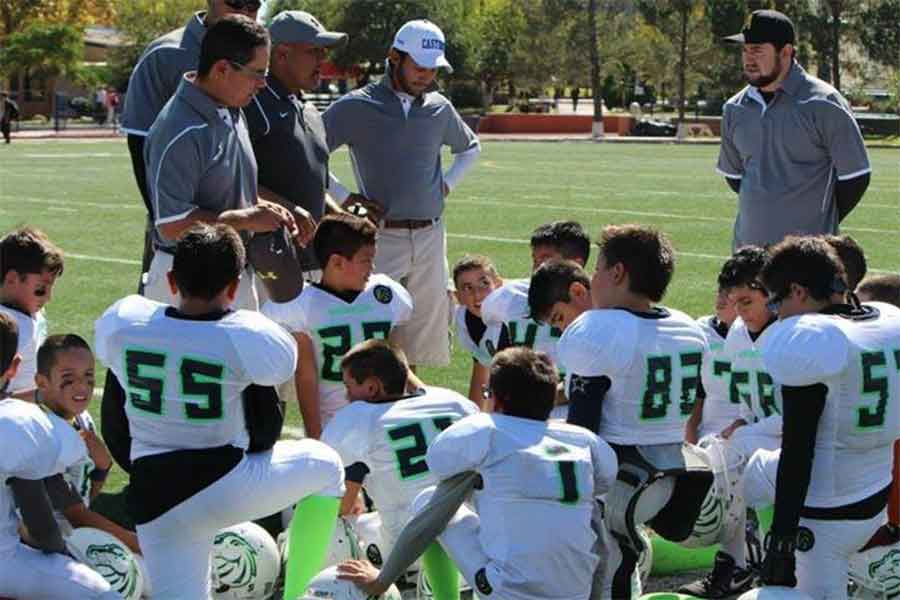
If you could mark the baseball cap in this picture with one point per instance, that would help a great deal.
(424, 42)
(766, 27)
(293, 26)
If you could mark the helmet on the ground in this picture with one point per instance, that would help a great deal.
(245, 563)
(326, 586)
(109, 557)
(876, 572)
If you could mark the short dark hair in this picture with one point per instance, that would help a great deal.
(568, 237)
(233, 38)
(881, 288)
(470, 262)
(53, 346)
(379, 359)
(343, 234)
(852, 257)
(524, 382)
(646, 253)
(550, 284)
(29, 250)
(9, 341)
(807, 261)
(743, 268)
(207, 259)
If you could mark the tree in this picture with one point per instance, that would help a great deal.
(724, 69)
(43, 49)
(496, 29)
(142, 21)
(879, 34)
(597, 127)
(676, 28)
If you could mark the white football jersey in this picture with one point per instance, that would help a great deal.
(540, 481)
(335, 326)
(722, 404)
(482, 350)
(653, 361)
(859, 362)
(508, 305)
(391, 439)
(78, 475)
(184, 377)
(36, 444)
(32, 333)
(760, 397)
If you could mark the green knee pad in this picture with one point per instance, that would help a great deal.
(310, 534)
(443, 577)
(765, 516)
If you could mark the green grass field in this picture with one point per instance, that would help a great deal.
(83, 195)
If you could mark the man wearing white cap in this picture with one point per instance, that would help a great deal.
(395, 129)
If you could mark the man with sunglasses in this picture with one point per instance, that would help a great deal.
(198, 154)
(838, 368)
(395, 129)
(287, 132)
(154, 80)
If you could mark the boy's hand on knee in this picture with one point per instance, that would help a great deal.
(363, 574)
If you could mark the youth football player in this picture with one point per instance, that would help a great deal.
(758, 424)
(508, 305)
(717, 408)
(29, 266)
(383, 434)
(348, 306)
(36, 445)
(837, 367)
(475, 277)
(184, 369)
(528, 534)
(66, 382)
(634, 367)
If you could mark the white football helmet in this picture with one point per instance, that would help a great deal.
(111, 558)
(326, 586)
(245, 563)
(368, 529)
(876, 572)
(774, 592)
(723, 506)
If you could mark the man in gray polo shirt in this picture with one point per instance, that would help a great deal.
(287, 133)
(155, 79)
(395, 129)
(199, 159)
(790, 147)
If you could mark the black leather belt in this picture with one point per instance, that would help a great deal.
(409, 223)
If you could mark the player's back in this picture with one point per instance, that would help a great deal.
(36, 444)
(391, 439)
(653, 361)
(539, 483)
(508, 305)
(858, 358)
(184, 377)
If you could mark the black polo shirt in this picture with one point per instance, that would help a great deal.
(288, 139)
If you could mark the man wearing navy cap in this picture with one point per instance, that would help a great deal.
(791, 148)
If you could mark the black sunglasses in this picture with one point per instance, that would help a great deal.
(243, 5)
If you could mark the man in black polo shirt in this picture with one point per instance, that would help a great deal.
(287, 133)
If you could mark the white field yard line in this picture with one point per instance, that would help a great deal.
(500, 240)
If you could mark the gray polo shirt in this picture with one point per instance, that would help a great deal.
(289, 142)
(198, 155)
(396, 156)
(788, 155)
(158, 74)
